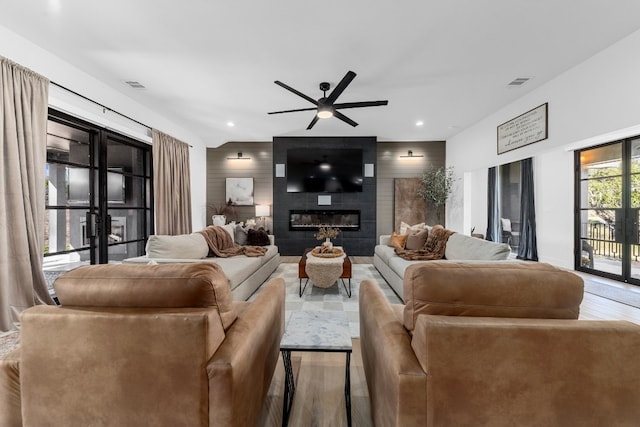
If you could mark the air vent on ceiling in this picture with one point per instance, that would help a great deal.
(519, 81)
(134, 84)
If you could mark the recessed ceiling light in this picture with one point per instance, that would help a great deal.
(231, 124)
(419, 123)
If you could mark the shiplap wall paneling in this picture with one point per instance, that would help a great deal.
(259, 167)
(390, 166)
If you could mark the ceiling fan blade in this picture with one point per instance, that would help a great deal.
(339, 115)
(341, 87)
(293, 111)
(360, 104)
(300, 94)
(313, 122)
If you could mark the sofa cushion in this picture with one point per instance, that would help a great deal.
(462, 247)
(490, 289)
(406, 228)
(258, 237)
(399, 265)
(416, 239)
(148, 286)
(385, 252)
(231, 229)
(241, 235)
(183, 246)
(239, 268)
(397, 241)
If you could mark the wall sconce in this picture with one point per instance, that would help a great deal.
(410, 154)
(263, 211)
(239, 157)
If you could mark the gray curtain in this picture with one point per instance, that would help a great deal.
(23, 153)
(528, 246)
(493, 206)
(172, 185)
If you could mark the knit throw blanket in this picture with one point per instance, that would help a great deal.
(221, 245)
(433, 248)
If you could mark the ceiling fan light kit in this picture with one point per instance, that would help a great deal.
(326, 106)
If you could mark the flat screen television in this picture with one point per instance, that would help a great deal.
(324, 170)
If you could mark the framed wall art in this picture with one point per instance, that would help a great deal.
(523, 130)
(240, 191)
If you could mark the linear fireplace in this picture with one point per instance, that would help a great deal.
(345, 220)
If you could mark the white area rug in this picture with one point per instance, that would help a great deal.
(334, 298)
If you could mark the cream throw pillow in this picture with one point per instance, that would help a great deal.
(231, 229)
(183, 246)
(406, 228)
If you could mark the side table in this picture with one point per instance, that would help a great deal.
(323, 331)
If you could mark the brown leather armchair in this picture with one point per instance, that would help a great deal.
(495, 344)
(133, 345)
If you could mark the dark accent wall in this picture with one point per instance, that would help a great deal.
(357, 243)
(388, 166)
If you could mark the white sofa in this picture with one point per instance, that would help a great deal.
(459, 248)
(245, 274)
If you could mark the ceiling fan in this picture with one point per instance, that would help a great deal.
(326, 106)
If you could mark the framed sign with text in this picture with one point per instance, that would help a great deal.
(523, 130)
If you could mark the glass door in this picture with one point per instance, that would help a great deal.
(608, 202)
(633, 213)
(98, 195)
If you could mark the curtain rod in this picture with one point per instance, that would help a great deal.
(103, 106)
(99, 104)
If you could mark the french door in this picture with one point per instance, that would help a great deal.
(608, 210)
(98, 194)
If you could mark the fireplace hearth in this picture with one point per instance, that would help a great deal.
(305, 220)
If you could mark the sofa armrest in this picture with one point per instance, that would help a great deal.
(272, 239)
(10, 404)
(397, 383)
(240, 371)
(536, 371)
(384, 239)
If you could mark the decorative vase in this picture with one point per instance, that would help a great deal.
(219, 219)
(327, 246)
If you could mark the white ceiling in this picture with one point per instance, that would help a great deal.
(205, 63)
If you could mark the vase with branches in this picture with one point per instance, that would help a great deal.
(437, 185)
(327, 233)
(223, 211)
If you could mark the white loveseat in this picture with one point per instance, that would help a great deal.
(459, 247)
(245, 274)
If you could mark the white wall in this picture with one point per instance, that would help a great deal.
(594, 102)
(27, 54)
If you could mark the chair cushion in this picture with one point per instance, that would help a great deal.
(144, 286)
(518, 289)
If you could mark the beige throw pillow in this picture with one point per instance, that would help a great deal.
(183, 246)
(416, 239)
(406, 228)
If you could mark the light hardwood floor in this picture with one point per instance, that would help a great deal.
(319, 398)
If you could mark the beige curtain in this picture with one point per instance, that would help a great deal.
(23, 154)
(172, 185)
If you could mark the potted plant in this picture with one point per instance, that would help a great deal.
(437, 185)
